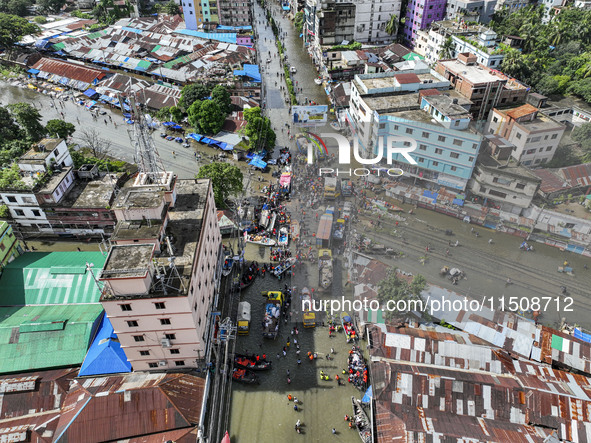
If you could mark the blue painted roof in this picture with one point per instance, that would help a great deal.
(231, 28)
(105, 355)
(127, 28)
(251, 71)
(226, 37)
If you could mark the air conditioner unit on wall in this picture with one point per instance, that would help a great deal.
(165, 342)
(162, 363)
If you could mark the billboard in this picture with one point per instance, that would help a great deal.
(303, 116)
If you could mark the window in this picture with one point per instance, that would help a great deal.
(441, 138)
(458, 142)
(125, 307)
(546, 137)
(144, 353)
(425, 134)
(179, 363)
(520, 186)
(554, 136)
(454, 154)
(518, 135)
(175, 351)
(382, 125)
(409, 130)
(11, 199)
(138, 337)
(453, 168)
(152, 365)
(19, 212)
(170, 336)
(160, 305)
(495, 119)
(420, 160)
(406, 144)
(132, 323)
(165, 321)
(470, 159)
(438, 151)
(423, 147)
(549, 148)
(435, 163)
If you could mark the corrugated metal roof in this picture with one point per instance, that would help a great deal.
(42, 278)
(28, 351)
(115, 408)
(70, 70)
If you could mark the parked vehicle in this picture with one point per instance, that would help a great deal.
(243, 318)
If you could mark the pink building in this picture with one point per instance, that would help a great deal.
(244, 40)
(160, 276)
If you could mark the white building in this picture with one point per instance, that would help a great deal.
(511, 5)
(371, 17)
(534, 135)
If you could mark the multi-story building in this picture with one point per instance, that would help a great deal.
(162, 273)
(330, 23)
(484, 87)
(380, 92)
(411, 105)
(10, 246)
(511, 5)
(551, 8)
(510, 187)
(419, 15)
(534, 135)
(232, 12)
(470, 10)
(478, 40)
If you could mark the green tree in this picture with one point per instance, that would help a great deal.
(582, 135)
(60, 128)
(299, 21)
(556, 84)
(51, 6)
(11, 177)
(221, 96)
(392, 25)
(13, 28)
(226, 180)
(29, 119)
(206, 117)
(447, 49)
(258, 130)
(193, 92)
(171, 8)
(40, 20)
(392, 289)
(9, 130)
(15, 7)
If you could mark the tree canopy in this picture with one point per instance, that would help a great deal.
(258, 130)
(29, 119)
(392, 25)
(206, 117)
(393, 289)
(193, 92)
(15, 7)
(51, 6)
(222, 97)
(556, 56)
(226, 180)
(13, 28)
(171, 8)
(60, 128)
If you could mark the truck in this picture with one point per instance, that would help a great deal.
(324, 268)
(331, 188)
(243, 318)
(324, 230)
(339, 230)
(272, 319)
(346, 187)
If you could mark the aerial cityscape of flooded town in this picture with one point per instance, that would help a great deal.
(289, 220)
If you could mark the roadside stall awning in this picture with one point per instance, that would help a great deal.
(89, 92)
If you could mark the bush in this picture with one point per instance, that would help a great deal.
(40, 20)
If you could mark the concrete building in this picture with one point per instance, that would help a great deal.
(10, 247)
(509, 187)
(419, 15)
(478, 40)
(191, 10)
(160, 312)
(470, 10)
(412, 105)
(485, 87)
(232, 12)
(371, 17)
(511, 5)
(551, 8)
(534, 135)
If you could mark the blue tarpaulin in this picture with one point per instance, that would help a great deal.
(33, 71)
(458, 201)
(175, 126)
(258, 162)
(105, 355)
(582, 335)
(167, 123)
(210, 141)
(196, 137)
(368, 395)
(286, 8)
(89, 92)
(251, 71)
(90, 104)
